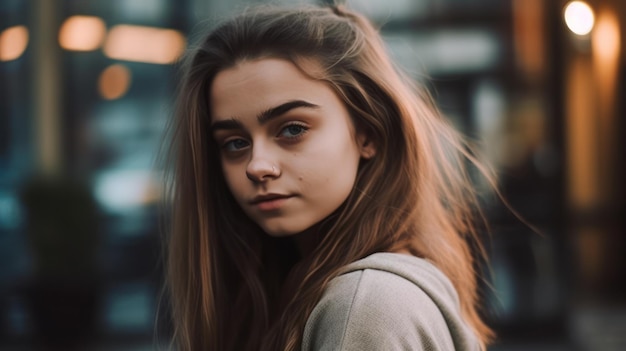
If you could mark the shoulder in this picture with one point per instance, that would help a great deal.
(385, 301)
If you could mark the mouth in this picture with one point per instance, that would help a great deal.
(269, 201)
(268, 197)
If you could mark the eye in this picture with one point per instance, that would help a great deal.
(293, 131)
(235, 144)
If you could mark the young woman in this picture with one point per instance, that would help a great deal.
(319, 201)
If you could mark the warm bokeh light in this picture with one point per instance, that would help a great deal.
(606, 37)
(13, 42)
(114, 82)
(144, 44)
(529, 37)
(82, 33)
(582, 141)
(605, 53)
(579, 17)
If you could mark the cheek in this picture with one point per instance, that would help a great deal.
(233, 178)
(330, 171)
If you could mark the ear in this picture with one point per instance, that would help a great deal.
(367, 148)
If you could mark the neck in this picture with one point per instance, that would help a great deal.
(306, 241)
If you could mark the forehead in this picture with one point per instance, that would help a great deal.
(254, 85)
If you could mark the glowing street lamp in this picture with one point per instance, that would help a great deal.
(579, 17)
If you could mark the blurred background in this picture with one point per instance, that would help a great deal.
(86, 87)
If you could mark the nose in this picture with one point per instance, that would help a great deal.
(260, 171)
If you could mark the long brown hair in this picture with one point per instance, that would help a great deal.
(233, 287)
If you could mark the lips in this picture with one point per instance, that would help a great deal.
(269, 202)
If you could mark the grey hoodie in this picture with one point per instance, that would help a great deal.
(388, 301)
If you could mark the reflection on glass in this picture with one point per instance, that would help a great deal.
(119, 190)
(391, 9)
(446, 51)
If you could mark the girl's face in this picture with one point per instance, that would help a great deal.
(289, 150)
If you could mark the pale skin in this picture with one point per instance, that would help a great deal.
(289, 149)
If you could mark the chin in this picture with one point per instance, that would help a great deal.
(281, 230)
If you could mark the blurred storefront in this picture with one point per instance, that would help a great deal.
(86, 88)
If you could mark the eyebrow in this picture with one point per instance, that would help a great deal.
(264, 116)
(281, 109)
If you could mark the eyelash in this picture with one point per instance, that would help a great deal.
(226, 145)
(304, 129)
(290, 139)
